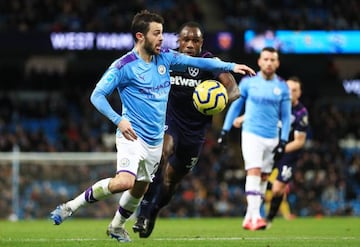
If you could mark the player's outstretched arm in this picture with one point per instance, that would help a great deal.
(228, 80)
(243, 69)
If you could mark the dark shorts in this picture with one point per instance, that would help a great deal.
(286, 167)
(187, 147)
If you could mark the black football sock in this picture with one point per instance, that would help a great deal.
(167, 191)
(165, 195)
(274, 207)
(151, 196)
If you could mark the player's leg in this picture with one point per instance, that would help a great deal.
(150, 202)
(263, 188)
(151, 197)
(284, 208)
(268, 164)
(179, 165)
(267, 168)
(252, 151)
(253, 198)
(123, 180)
(151, 194)
(145, 225)
(172, 179)
(278, 190)
(186, 156)
(128, 203)
(98, 191)
(268, 193)
(279, 186)
(148, 165)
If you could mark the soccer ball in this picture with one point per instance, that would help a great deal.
(210, 97)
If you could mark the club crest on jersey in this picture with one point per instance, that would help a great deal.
(125, 162)
(193, 71)
(161, 69)
(277, 91)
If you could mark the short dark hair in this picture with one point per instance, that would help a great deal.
(192, 24)
(269, 49)
(141, 21)
(296, 79)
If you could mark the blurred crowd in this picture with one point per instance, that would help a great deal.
(291, 14)
(113, 15)
(87, 15)
(327, 181)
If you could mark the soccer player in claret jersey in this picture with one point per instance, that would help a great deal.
(287, 164)
(142, 80)
(186, 127)
(266, 99)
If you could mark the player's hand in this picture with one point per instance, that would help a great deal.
(244, 69)
(223, 139)
(126, 130)
(279, 150)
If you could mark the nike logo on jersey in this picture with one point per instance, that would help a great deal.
(142, 77)
(182, 81)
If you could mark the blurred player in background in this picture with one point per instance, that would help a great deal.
(284, 208)
(186, 127)
(287, 164)
(142, 79)
(285, 167)
(266, 98)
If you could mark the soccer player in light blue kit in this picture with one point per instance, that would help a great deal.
(266, 98)
(142, 79)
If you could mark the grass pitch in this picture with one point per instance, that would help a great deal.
(204, 232)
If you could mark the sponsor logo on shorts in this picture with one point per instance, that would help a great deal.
(286, 173)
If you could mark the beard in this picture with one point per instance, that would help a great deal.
(148, 46)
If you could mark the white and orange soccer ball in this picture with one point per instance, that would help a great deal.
(210, 97)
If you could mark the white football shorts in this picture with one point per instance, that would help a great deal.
(258, 151)
(138, 158)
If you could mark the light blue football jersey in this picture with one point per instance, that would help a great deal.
(266, 102)
(144, 87)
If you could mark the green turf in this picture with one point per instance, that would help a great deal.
(301, 232)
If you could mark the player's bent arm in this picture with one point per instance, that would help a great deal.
(99, 100)
(228, 80)
(297, 143)
(234, 110)
(238, 121)
(127, 131)
(105, 87)
(181, 61)
(211, 64)
(285, 109)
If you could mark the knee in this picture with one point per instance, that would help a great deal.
(172, 177)
(166, 153)
(264, 177)
(121, 182)
(139, 189)
(278, 191)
